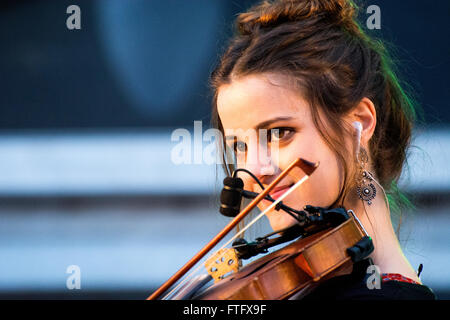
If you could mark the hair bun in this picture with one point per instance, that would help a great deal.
(272, 13)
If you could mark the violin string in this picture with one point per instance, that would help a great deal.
(190, 275)
(284, 195)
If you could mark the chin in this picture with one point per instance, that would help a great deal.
(280, 220)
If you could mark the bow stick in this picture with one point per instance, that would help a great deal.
(307, 167)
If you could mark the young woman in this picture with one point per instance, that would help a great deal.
(305, 71)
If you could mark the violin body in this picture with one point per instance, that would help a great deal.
(295, 269)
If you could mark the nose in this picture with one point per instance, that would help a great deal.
(261, 163)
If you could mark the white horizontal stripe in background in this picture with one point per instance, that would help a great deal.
(140, 163)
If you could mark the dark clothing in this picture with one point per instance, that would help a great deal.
(354, 287)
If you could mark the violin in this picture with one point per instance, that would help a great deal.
(328, 243)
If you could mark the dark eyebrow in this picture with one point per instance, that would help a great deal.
(265, 124)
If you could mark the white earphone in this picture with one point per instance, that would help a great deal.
(358, 127)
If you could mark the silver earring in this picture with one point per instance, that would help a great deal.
(365, 189)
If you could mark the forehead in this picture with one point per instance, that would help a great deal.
(251, 100)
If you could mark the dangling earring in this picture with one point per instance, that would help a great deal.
(365, 189)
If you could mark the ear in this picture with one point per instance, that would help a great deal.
(364, 113)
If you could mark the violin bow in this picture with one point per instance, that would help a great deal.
(307, 167)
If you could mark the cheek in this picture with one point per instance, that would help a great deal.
(323, 186)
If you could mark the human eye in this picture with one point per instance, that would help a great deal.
(280, 134)
(239, 147)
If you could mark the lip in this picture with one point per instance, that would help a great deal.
(279, 191)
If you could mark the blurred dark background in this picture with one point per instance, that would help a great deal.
(146, 64)
(85, 137)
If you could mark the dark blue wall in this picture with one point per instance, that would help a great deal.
(146, 63)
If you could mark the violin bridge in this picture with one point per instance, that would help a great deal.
(221, 263)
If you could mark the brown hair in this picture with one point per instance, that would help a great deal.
(321, 45)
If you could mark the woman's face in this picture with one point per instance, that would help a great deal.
(264, 101)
